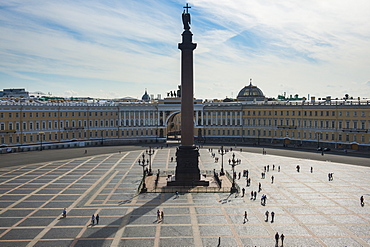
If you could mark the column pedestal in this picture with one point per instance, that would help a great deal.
(187, 169)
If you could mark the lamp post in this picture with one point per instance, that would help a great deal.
(222, 152)
(150, 152)
(233, 162)
(142, 164)
(318, 139)
(41, 135)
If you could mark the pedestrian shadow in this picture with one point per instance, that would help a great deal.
(226, 200)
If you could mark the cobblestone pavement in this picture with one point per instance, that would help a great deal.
(309, 209)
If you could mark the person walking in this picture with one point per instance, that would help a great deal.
(282, 239)
(278, 168)
(272, 216)
(277, 239)
(311, 169)
(267, 216)
(92, 220)
(243, 192)
(162, 216)
(259, 187)
(97, 217)
(254, 195)
(362, 201)
(158, 215)
(272, 179)
(245, 216)
(251, 194)
(64, 214)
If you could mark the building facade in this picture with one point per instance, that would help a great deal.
(341, 124)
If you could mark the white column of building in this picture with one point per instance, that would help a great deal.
(129, 118)
(139, 117)
(216, 118)
(207, 114)
(124, 118)
(221, 117)
(241, 117)
(134, 117)
(158, 117)
(211, 113)
(202, 117)
(196, 118)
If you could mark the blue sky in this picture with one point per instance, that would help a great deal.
(117, 48)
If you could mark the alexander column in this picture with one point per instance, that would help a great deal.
(187, 170)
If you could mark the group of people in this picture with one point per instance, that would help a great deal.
(330, 176)
(93, 218)
(267, 216)
(277, 237)
(160, 216)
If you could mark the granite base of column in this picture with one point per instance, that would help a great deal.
(187, 168)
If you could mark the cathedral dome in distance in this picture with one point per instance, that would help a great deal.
(145, 97)
(250, 93)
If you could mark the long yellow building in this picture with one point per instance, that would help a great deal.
(31, 125)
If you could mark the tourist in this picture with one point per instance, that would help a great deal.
(282, 240)
(272, 216)
(362, 201)
(267, 216)
(64, 214)
(97, 219)
(277, 239)
(92, 220)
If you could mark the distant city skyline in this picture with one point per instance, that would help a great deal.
(116, 49)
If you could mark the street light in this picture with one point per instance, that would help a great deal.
(222, 152)
(318, 139)
(233, 162)
(150, 152)
(142, 164)
(41, 134)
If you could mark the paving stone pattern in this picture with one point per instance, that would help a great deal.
(309, 209)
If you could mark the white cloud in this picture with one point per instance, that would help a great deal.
(119, 48)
